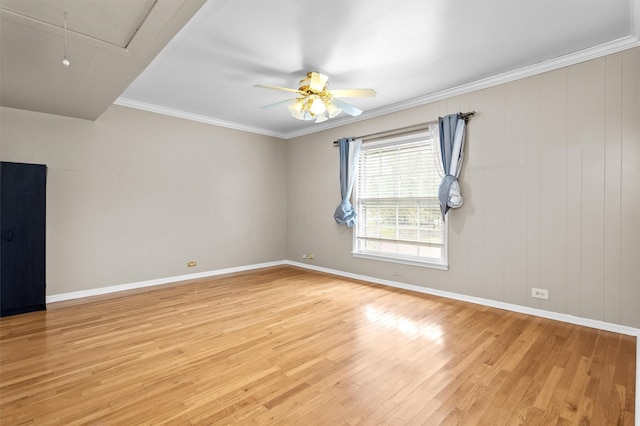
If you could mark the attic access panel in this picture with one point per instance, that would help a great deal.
(109, 43)
(112, 22)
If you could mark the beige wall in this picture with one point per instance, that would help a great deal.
(551, 183)
(133, 196)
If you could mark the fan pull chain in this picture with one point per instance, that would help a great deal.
(65, 61)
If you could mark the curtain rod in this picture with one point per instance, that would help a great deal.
(408, 129)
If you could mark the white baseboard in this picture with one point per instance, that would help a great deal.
(602, 325)
(159, 281)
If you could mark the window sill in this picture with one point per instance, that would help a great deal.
(404, 261)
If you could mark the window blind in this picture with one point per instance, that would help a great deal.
(397, 200)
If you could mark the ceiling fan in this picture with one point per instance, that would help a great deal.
(316, 102)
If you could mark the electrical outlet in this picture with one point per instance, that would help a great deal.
(540, 293)
(191, 263)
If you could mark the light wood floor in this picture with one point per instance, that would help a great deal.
(288, 346)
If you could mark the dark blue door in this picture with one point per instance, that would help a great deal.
(22, 226)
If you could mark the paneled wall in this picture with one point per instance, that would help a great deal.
(551, 184)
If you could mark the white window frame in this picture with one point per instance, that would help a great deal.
(434, 263)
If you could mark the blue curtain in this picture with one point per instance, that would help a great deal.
(345, 213)
(452, 149)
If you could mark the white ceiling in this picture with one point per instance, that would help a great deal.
(411, 52)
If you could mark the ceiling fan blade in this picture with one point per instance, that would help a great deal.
(286, 89)
(349, 109)
(285, 102)
(318, 81)
(353, 93)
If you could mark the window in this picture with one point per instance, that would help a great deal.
(397, 201)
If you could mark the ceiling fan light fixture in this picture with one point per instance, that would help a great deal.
(303, 115)
(295, 107)
(333, 110)
(316, 102)
(322, 117)
(317, 106)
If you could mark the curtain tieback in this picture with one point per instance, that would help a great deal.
(449, 194)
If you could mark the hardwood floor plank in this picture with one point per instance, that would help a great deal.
(284, 345)
(550, 384)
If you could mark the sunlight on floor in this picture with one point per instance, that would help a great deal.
(403, 324)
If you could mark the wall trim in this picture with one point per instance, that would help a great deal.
(615, 46)
(171, 112)
(159, 281)
(587, 322)
(602, 325)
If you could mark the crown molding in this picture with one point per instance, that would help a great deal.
(131, 103)
(528, 71)
(615, 46)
